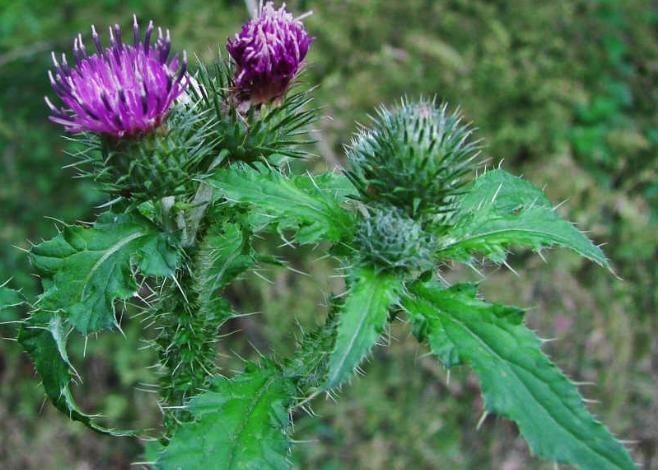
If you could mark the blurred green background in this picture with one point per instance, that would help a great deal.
(564, 91)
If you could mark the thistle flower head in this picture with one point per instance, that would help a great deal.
(414, 157)
(268, 52)
(390, 239)
(124, 89)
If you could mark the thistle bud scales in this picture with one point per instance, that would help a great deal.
(389, 239)
(414, 157)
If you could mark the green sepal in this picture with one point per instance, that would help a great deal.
(362, 320)
(270, 131)
(239, 423)
(43, 336)
(517, 379)
(85, 269)
(288, 203)
(500, 210)
(151, 165)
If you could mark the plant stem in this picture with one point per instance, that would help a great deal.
(186, 346)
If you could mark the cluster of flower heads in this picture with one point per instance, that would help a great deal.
(268, 52)
(122, 90)
(128, 89)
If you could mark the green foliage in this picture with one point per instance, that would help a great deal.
(362, 321)
(543, 94)
(153, 165)
(44, 336)
(414, 157)
(309, 366)
(224, 254)
(517, 380)
(10, 298)
(501, 210)
(85, 269)
(389, 239)
(314, 213)
(253, 133)
(239, 423)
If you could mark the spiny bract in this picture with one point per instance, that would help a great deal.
(414, 157)
(389, 239)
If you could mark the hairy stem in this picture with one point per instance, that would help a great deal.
(186, 349)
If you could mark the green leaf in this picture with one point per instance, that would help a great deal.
(309, 365)
(501, 210)
(362, 321)
(517, 380)
(337, 185)
(241, 423)
(84, 270)
(296, 203)
(10, 298)
(225, 253)
(44, 336)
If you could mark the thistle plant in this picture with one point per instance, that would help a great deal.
(195, 169)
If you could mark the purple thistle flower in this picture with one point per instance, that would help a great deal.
(122, 90)
(268, 52)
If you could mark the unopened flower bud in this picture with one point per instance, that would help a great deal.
(268, 52)
(415, 158)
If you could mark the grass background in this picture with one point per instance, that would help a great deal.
(564, 91)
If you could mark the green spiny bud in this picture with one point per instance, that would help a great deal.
(414, 157)
(253, 132)
(389, 239)
(150, 165)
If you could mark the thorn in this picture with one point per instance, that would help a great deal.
(630, 443)
(493, 199)
(470, 265)
(482, 419)
(587, 400)
(560, 204)
(259, 275)
(578, 384)
(180, 289)
(510, 268)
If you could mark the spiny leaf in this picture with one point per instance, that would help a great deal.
(10, 298)
(362, 321)
(517, 380)
(241, 423)
(309, 365)
(501, 210)
(84, 270)
(224, 254)
(44, 336)
(337, 185)
(316, 214)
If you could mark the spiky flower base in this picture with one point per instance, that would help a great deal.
(152, 165)
(250, 132)
(415, 157)
(389, 239)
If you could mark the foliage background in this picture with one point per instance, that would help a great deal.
(563, 91)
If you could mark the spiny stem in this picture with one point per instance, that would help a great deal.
(186, 351)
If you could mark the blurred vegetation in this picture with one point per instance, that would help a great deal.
(565, 92)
